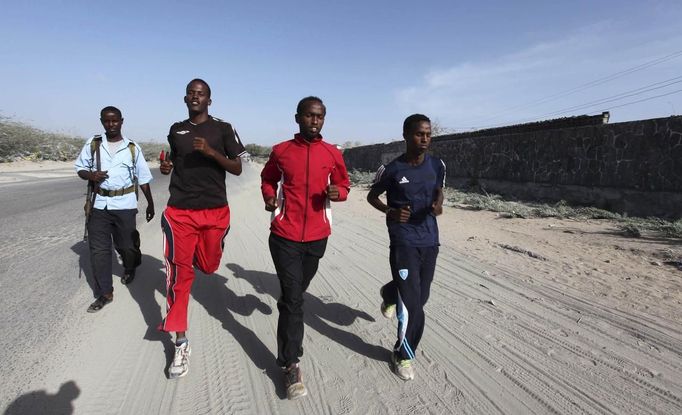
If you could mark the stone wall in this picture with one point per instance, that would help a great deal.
(632, 167)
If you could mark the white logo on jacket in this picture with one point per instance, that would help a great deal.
(403, 180)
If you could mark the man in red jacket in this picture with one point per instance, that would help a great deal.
(310, 174)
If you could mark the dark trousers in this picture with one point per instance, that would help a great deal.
(412, 270)
(296, 264)
(102, 227)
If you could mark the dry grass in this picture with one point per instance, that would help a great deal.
(629, 226)
(19, 141)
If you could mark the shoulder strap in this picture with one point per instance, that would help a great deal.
(95, 144)
(94, 151)
(131, 147)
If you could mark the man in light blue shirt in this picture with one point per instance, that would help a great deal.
(115, 172)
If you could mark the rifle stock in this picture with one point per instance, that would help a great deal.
(93, 187)
(89, 204)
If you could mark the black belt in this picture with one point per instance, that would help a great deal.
(117, 192)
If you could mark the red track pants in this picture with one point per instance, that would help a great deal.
(191, 238)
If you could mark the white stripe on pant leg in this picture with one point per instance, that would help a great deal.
(403, 319)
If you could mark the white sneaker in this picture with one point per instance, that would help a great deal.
(180, 365)
(402, 368)
(388, 310)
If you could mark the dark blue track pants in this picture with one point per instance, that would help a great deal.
(412, 270)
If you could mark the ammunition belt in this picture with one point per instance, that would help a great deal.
(117, 192)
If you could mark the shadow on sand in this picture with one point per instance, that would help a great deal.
(84, 266)
(150, 278)
(220, 302)
(41, 402)
(316, 312)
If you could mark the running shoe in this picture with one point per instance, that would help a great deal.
(402, 367)
(180, 365)
(294, 382)
(388, 310)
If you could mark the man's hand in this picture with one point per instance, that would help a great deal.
(166, 166)
(98, 176)
(437, 205)
(332, 192)
(201, 145)
(150, 212)
(271, 204)
(401, 215)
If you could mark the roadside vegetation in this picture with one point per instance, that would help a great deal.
(628, 226)
(19, 141)
(22, 142)
(257, 152)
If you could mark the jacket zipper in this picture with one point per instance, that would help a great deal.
(307, 189)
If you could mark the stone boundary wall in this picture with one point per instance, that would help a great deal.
(632, 167)
(566, 122)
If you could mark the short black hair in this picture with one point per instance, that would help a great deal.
(413, 120)
(302, 103)
(110, 109)
(208, 88)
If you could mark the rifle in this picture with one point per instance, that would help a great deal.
(93, 187)
(90, 197)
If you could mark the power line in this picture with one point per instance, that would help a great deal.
(621, 96)
(645, 99)
(617, 97)
(590, 84)
(642, 100)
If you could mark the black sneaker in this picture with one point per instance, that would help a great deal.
(294, 382)
(128, 277)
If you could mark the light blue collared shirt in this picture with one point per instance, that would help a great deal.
(119, 166)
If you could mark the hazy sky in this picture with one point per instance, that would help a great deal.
(465, 64)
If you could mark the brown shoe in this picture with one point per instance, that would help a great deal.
(294, 382)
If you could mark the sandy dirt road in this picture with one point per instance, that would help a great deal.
(503, 336)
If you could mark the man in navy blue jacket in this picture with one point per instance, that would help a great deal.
(413, 184)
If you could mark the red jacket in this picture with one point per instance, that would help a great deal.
(303, 170)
